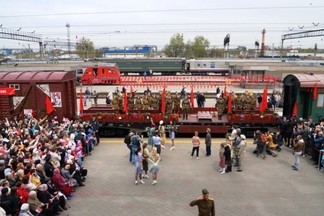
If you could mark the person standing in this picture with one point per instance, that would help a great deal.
(128, 143)
(162, 134)
(136, 143)
(95, 126)
(172, 130)
(185, 107)
(87, 94)
(154, 159)
(221, 163)
(157, 142)
(95, 97)
(208, 142)
(138, 166)
(195, 145)
(228, 155)
(108, 98)
(241, 153)
(206, 206)
(298, 150)
(146, 155)
(150, 133)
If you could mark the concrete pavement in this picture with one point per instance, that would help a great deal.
(265, 187)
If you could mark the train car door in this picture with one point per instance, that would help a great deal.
(304, 104)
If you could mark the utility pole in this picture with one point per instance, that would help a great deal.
(68, 37)
(263, 42)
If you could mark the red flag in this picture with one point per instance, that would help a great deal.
(163, 101)
(192, 103)
(229, 103)
(81, 101)
(125, 102)
(295, 110)
(264, 102)
(315, 92)
(49, 106)
(225, 94)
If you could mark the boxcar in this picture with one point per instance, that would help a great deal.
(33, 88)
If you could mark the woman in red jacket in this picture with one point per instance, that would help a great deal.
(22, 192)
(60, 183)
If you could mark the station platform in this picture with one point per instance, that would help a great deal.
(265, 187)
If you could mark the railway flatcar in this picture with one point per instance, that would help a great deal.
(118, 121)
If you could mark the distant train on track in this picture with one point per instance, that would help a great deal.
(168, 66)
(174, 66)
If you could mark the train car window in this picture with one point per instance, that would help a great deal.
(198, 65)
(320, 100)
(15, 86)
(212, 65)
(204, 65)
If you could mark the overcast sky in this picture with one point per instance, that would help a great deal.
(128, 22)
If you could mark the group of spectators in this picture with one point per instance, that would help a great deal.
(41, 163)
(312, 135)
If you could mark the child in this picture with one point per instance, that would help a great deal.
(154, 168)
(138, 166)
(222, 159)
(195, 145)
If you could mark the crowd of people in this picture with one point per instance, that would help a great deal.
(304, 131)
(41, 163)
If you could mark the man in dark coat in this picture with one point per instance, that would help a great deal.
(48, 166)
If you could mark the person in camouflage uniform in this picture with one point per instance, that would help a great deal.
(120, 101)
(138, 103)
(176, 103)
(145, 102)
(185, 107)
(238, 102)
(130, 102)
(153, 102)
(150, 100)
(169, 104)
(248, 102)
(115, 103)
(221, 106)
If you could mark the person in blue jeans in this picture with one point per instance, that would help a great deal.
(157, 142)
(136, 143)
(128, 142)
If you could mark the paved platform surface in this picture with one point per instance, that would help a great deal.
(265, 187)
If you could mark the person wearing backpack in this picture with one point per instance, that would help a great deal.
(127, 142)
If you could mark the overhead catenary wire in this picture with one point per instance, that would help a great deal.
(167, 11)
